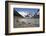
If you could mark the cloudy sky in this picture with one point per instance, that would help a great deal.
(25, 11)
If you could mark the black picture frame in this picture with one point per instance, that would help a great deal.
(6, 18)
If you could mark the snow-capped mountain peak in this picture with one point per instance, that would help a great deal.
(23, 13)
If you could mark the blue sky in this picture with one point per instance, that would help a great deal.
(25, 11)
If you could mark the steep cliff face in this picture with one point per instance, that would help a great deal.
(36, 15)
(17, 14)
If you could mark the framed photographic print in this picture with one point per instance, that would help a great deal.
(24, 17)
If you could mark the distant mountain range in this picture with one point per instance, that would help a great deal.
(36, 15)
(29, 15)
